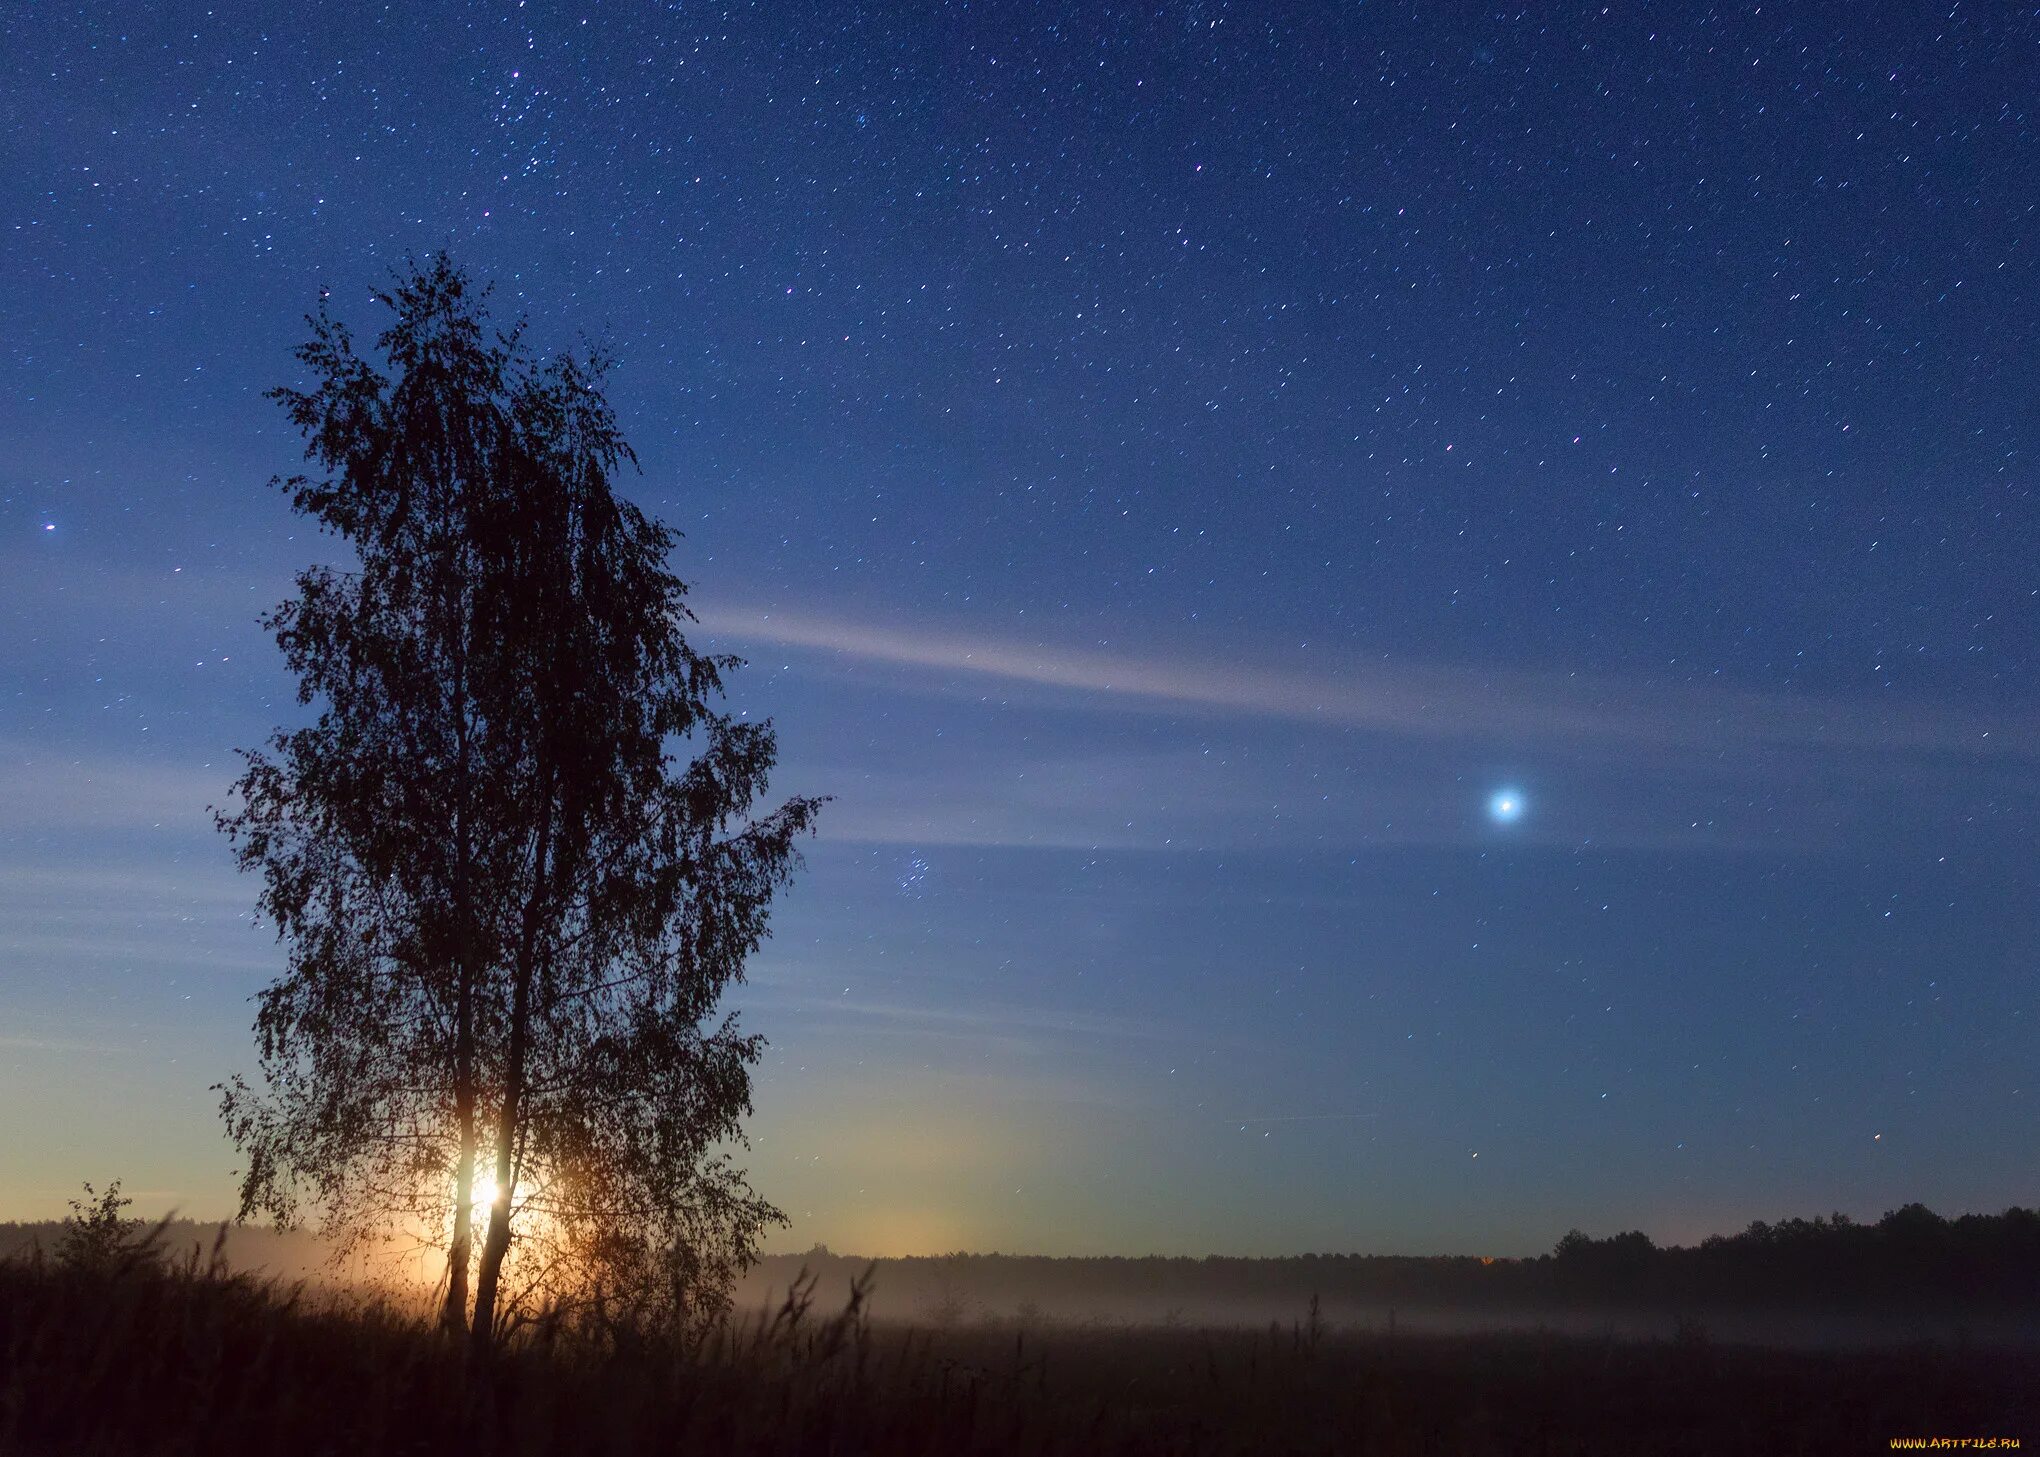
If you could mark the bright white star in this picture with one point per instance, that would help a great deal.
(1505, 806)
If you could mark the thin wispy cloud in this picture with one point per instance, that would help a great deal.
(1306, 1118)
(55, 788)
(1406, 793)
(1403, 699)
(68, 1046)
(1005, 1022)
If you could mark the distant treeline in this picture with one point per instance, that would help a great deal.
(250, 1248)
(1912, 1258)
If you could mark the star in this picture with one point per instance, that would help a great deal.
(1505, 806)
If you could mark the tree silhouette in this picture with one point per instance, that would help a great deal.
(99, 1238)
(511, 902)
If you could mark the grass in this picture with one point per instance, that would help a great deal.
(150, 1360)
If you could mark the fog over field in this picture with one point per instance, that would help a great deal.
(1910, 1281)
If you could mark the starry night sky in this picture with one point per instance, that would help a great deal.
(1422, 617)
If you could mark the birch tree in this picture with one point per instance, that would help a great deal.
(517, 855)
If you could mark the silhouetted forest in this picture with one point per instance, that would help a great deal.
(1912, 1259)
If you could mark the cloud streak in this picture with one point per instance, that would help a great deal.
(1405, 699)
(61, 789)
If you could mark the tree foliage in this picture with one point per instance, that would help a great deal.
(100, 1238)
(520, 852)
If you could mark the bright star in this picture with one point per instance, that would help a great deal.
(1505, 806)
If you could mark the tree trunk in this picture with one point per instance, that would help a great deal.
(497, 1244)
(453, 1315)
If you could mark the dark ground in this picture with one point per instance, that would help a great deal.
(151, 1361)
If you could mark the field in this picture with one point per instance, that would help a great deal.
(194, 1360)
